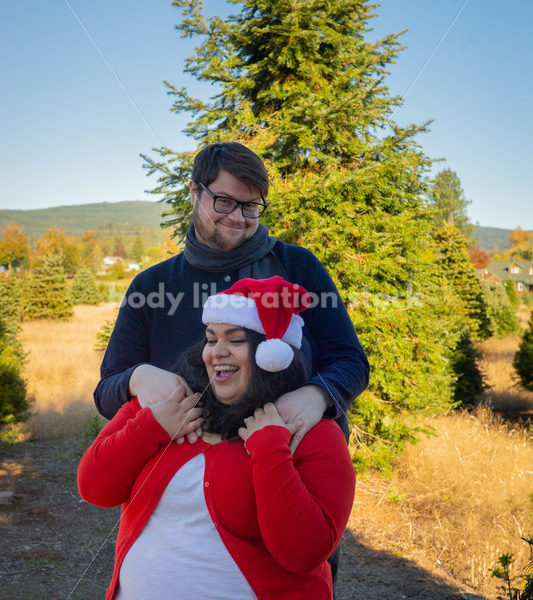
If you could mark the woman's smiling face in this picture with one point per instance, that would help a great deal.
(226, 356)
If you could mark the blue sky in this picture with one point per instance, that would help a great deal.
(71, 135)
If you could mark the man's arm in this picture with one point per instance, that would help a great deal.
(127, 349)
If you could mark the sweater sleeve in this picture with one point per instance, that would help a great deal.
(341, 367)
(128, 348)
(109, 467)
(303, 502)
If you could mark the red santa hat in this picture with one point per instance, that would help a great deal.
(268, 306)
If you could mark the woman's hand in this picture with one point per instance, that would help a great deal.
(268, 415)
(152, 385)
(178, 414)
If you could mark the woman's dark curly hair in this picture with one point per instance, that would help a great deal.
(264, 386)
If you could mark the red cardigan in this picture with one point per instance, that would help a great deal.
(279, 516)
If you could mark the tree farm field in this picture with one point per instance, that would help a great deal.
(457, 500)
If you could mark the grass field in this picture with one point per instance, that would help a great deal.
(63, 369)
(457, 501)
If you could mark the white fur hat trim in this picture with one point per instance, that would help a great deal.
(242, 311)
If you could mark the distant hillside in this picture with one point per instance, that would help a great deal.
(132, 215)
(493, 238)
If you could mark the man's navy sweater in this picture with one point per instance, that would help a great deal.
(161, 316)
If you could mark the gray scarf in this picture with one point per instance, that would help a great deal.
(253, 258)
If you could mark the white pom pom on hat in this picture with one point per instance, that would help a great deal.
(269, 306)
(273, 355)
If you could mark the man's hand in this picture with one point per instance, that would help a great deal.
(268, 415)
(151, 385)
(307, 405)
(178, 414)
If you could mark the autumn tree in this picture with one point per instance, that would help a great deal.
(14, 248)
(56, 241)
(449, 203)
(90, 251)
(519, 237)
(478, 257)
(299, 83)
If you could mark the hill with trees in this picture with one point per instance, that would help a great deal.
(135, 216)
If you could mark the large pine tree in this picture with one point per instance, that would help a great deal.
(301, 85)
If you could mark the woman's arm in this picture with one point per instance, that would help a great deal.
(303, 502)
(109, 467)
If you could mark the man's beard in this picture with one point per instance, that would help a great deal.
(210, 235)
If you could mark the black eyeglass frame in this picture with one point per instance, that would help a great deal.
(263, 204)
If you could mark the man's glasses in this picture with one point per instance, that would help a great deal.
(250, 210)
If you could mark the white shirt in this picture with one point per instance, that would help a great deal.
(179, 553)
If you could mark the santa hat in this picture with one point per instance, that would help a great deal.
(269, 306)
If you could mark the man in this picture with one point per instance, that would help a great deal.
(161, 313)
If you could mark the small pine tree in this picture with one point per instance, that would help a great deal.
(510, 288)
(523, 359)
(460, 272)
(11, 301)
(137, 252)
(104, 333)
(501, 312)
(84, 290)
(465, 365)
(13, 402)
(47, 296)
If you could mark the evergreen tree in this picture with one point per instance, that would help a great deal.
(500, 311)
(104, 333)
(47, 296)
(523, 360)
(84, 290)
(448, 200)
(137, 252)
(510, 289)
(465, 364)
(120, 250)
(13, 402)
(455, 263)
(11, 301)
(299, 84)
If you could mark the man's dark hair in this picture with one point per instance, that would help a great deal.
(263, 387)
(236, 159)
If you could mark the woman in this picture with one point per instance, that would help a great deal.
(234, 516)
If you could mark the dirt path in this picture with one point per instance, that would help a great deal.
(49, 538)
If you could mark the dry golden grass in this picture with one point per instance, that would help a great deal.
(62, 370)
(470, 490)
(457, 500)
(505, 393)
